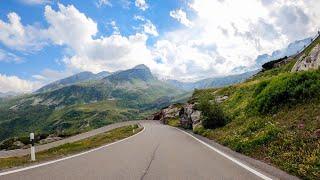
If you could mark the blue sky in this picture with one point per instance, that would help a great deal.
(45, 40)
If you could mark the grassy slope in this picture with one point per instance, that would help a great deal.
(83, 107)
(66, 121)
(72, 148)
(273, 118)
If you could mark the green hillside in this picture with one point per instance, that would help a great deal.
(273, 117)
(126, 95)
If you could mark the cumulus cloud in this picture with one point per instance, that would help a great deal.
(68, 26)
(16, 84)
(228, 34)
(19, 37)
(141, 4)
(181, 16)
(221, 36)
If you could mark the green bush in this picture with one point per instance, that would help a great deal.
(212, 114)
(286, 89)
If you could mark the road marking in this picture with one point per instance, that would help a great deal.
(228, 157)
(69, 157)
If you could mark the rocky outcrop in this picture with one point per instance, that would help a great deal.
(187, 114)
(167, 113)
(308, 62)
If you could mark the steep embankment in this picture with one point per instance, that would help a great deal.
(273, 117)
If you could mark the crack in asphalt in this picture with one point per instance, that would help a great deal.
(149, 165)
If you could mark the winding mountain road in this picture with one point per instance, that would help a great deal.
(157, 152)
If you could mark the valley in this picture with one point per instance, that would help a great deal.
(84, 102)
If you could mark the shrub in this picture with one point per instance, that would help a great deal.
(174, 122)
(287, 89)
(212, 114)
(271, 64)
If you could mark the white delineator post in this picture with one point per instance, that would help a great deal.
(132, 129)
(33, 153)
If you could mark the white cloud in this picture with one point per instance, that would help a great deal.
(220, 36)
(36, 2)
(19, 37)
(101, 3)
(112, 53)
(228, 34)
(16, 84)
(148, 27)
(48, 75)
(181, 16)
(115, 28)
(9, 57)
(224, 35)
(69, 27)
(141, 4)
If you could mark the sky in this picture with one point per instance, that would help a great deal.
(45, 40)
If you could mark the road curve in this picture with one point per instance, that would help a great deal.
(159, 152)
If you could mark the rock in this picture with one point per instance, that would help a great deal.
(220, 99)
(195, 117)
(317, 133)
(307, 62)
(18, 144)
(49, 139)
(167, 113)
(301, 126)
(187, 114)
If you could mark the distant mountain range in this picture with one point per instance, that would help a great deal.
(8, 94)
(291, 49)
(212, 82)
(77, 78)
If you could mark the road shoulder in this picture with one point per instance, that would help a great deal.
(256, 164)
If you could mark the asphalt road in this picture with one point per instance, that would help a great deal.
(159, 152)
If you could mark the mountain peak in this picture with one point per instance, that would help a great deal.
(141, 72)
(141, 66)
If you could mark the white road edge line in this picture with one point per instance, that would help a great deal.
(69, 157)
(228, 157)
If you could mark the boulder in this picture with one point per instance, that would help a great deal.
(307, 62)
(167, 113)
(18, 144)
(49, 139)
(189, 116)
(195, 117)
(220, 99)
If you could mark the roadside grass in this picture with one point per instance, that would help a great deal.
(175, 122)
(72, 148)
